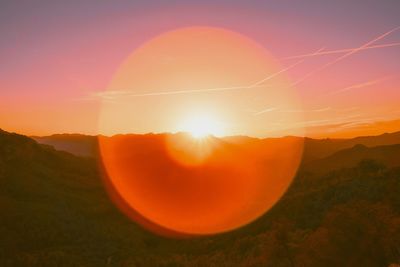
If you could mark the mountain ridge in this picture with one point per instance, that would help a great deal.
(86, 145)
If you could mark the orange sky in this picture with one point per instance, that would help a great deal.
(194, 71)
(85, 74)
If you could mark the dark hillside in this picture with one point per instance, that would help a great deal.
(56, 213)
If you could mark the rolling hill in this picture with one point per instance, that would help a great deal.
(388, 155)
(320, 148)
(55, 212)
(77, 144)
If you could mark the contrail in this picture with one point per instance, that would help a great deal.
(264, 111)
(291, 111)
(274, 74)
(279, 72)
(359, 85)
(195, 91)
(339, 51)
(353, 51)
(254, 85)
(321, 109)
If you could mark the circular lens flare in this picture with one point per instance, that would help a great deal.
(199, 183)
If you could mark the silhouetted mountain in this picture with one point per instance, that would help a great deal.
(388, 155)
(55, 212)
(77, 144)
(86, 145)
(320, 148)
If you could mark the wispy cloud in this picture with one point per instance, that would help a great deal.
(109, 95)
(261, 83)
(321, 109)
(347, 54)
(265, 111)
(317, 110)
(257, 84)
(177, 92)
(269, 77)
(341, 51)
(359, 85)
(351, 52)
(349, 109)
(306, 110)
(120, 93)
(321, 122)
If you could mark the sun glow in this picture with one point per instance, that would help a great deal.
(186, 85)
(202, 125)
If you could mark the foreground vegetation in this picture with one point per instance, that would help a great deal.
(55, 212)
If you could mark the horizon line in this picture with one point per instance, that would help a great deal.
(188, 133)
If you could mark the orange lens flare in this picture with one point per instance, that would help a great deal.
(230, 187)
(196, 183)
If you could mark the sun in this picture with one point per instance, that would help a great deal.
(202, 125)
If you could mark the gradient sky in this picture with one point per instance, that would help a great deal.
(57, 56)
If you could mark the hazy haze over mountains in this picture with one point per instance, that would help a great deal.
(86, 145)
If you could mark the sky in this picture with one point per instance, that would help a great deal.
(60, 59)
